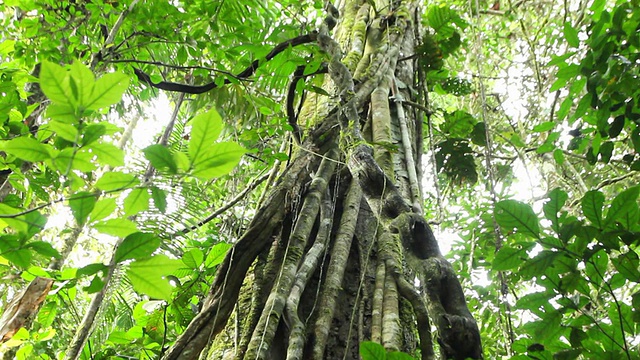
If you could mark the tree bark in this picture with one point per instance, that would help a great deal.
(334, 295)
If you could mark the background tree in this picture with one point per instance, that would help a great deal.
(113, 251)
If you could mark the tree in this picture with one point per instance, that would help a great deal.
(319, 244)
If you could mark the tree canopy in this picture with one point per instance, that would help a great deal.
(308, 179)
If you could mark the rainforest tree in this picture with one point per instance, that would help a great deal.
(193, 179)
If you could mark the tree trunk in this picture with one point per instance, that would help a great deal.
(322, 266)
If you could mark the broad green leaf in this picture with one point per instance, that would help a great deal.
(512, 214)
(193, 258)
(81, 205)
(159, 198)
(509, 258)
(571, 35)
(73, 159)
(92, 133)
(205, 129)
(116, 227)
(64, 113)
(216, 255)
(181, 160)
(219, 160)
(539, 265)
(622, 205)
(43, 248)
(148, 276)
(398, 355)
(545, 126)
(47, 313)
(107, 154)
(161, 158)
(82, 80)
(136, 246)
(64, 130)
(54, 82)
(136, 201)
(557, 198)
(107, 91)
(103, 208)
(27, 148)
(596, 267)
(592, 203)
(21, 257)
(115, 180)
(8, 216)
(91, 269)
(370, 350)
(628, 265)
(535, 301)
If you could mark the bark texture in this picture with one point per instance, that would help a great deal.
(331, 257)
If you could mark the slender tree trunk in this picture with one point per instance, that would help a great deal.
(323, 258)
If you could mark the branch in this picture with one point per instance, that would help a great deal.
(291, 115)
(250, 70)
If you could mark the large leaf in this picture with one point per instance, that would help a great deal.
(54, 82)
(116, 227)
(512, 214)
(622, 205)
(592, 203)
(219, 160)
(161, 158)
(628, 265)
(136, 201)
(103, 208)
(107, 91)
(509, 258)
(115, 180)
(81, 205)
(27, 148)
(136, 246)
(148, 276)
(81, 81)
(205, 129)
(557, 198)
(216, 255)
(107, 154)
(370, 350)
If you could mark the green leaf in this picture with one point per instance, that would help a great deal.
(54, 82)
(539, 265)
(136, 201)
(64, 113)
(103, 208)
(115, 180)
(148, 276)
(159, 198)
(628, 265)
(509, 258)
(220, 159)
(81, 205)
(116, 227)
(205, 129)
(398, 355)
(622, 205)
(545, 126)
(216, 255)
(63, 130)
(193, 258)
(136, 246)
(107, 91)
(21, 257)
(70, 159)
(44, 248)
(26, 148)
(161, 158)
(92, 133)
(571, 35)
(18, 223)
(512, 214)
(107, 154)
(592, 203)
(82, 80)
(370, 350)
(557, 198)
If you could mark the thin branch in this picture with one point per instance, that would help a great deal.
(224, 207)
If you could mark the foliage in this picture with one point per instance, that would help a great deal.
(524, 97)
